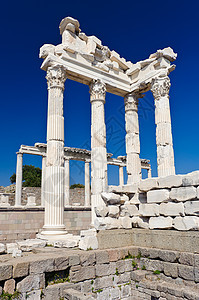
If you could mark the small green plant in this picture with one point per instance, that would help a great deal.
(120, 287)
(61, 298)
(128, 256)
(156, 272)
(42, 294)
(57, 277)
(49, 245)
(137, 286)
(92, 281)
(98, 291)
(138, 268)
(134, 264)
(7, 296)
(143, 267)
(139, 255)
(116, 272)
(88, 249)
(113, 278)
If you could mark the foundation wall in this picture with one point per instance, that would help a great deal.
(19, 224)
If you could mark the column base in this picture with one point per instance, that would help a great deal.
(53, 230)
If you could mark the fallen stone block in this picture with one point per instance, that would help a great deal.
(186, 223)
(88, 232)
(148, 184)
(29, 245)
(191, 179)
(100, 223)
(149, 210)
(113, 211)
(160, 222)
(101, 211)
(170, 181)
(183, 193)
(2, 248)
(140, 222)
(126, 222)
(9, 286)
(5, 271)
(88, 242)
(111, 198)
(191, 208)
(172, 209)
(158, 196)
(10, 247)
(16, 253)
(70, 242)
(112, 223)
(129, 210)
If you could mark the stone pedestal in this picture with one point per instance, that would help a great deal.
(67, 182)
(43, 179)
(31, 200)
(18, 190)
(4, 200)
(98, 145)
(54, 184)
(87, 184)
(165, 155)
(133, 163)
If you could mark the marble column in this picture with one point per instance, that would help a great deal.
(121, 175)
(165, 154)
(149, 173)
(67, 183)
(98, 145)
(54, 186)
(43, 179)
(133, 163)
(87, 183)
(19, 169)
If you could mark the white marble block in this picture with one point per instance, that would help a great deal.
(126, 222)
(170, 181)
(160, 222)
(183, 193)
(191, 179)
(140, 222)
(113, 211)
(191, 208)
(129, 210)
(172, 209)
(4, 200)
(186, 223)
(31, 201)
(158, 196)
(149, 210)
(148, 184)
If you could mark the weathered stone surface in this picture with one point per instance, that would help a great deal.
(140, 222)
(191, 208)
(20, 269)
(113, 211)
(88, 232)
(111, 198)
(112, 223)
(61, 263)
(126, 222)
(99, 223)
(172, 209)
(149, 210)
(16, 253)
(34, 295)
(186, 223)
(102, 257)
(9, 286)
(183, 193)
(170, 181)
(186, 272)
(138, 198)
(87, 259)
(112, 254)
(2, 248)
(148, 184)
(168, 256)
(88, 242)
(29, 283)
(79, 273)
(186, 258)
(5, 271)
(158, 196)
(10, 247)
(103, 282)
(191, 179)
(171, 269)
(160, 222)
(129, 210)
(74, 260)
(105, 269)
(101, 211)
(41, 266)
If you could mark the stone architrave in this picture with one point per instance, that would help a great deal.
(67, 182)
(43, 180)
(87, 184)
(98, 145)
(54, 186)
(165, 154)
(133, 164)
(18, 190)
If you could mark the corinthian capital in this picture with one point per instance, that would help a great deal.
(160, 87)
(56, 77)
(131, 102)
(97, 90)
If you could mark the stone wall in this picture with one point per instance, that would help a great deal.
(20, 223)
(170, 202)
(77, 195)
(129, 273)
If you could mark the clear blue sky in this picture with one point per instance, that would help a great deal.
(135, 29)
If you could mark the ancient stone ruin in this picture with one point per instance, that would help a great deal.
(142, 238)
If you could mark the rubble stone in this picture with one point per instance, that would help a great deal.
(149, 210)
(186, 223)
(183, 193)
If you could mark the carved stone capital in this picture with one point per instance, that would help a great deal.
(56, 77)
(160, 87)
(97, 90)
(131, 101)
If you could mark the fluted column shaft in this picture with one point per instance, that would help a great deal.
(87, 183)
(165, 154)
(43, 180)
(121, 175)
(19, 169)
(54, 186)
(133, 164)
(67, 182)
(98, 144)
